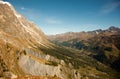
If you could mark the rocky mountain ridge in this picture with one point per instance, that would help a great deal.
(103, 45)
(83, 35)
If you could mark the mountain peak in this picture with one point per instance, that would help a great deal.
(12, 8)
(113, 28)
(3, 2)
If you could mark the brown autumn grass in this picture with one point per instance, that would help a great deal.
(37, 77)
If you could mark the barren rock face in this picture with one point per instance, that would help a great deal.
(25, 51)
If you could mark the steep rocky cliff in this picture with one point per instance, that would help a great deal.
(25, 52)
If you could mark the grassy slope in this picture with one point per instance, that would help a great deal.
(81, 62)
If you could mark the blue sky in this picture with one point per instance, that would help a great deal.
(59, 16)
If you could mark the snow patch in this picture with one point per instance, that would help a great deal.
(2, 2)
(18, 15)
(34, 34)
(97, 33)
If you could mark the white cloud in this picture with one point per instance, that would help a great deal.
(108, 8)
(39, 18)
(31, 14)
(88, 27)
(53, 21)
(22, 8)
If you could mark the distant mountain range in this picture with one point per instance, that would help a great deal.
(103, 45)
